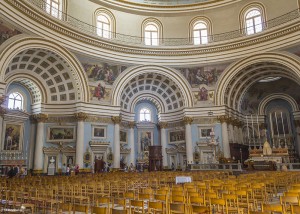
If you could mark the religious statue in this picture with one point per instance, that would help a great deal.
(267, 150)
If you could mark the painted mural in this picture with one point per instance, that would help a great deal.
(202, 75)
(101, 77)
(259, 91)
(6, 33)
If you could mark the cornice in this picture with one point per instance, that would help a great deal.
(92, 45)
(163, 8)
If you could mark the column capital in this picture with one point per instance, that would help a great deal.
(223, 119)
(187, 120)
(80, 116)
(163, 125)
(116, 119)
(131, 124)
(40, 117)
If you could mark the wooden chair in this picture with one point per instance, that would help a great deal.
(156, 207)
(197, 200)
(119, 203)
(99, 210)
(295, 209)
(287, 201)
(200, 209)
(117, 211)
(272, 208)
(65, 207)
(217, 205)
(137, 206)
(103, 202)
(81, 208)
(178, 208)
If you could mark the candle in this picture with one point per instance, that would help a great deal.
(258, 127)
(247, 127)
(282, 125)
(276, 125)
(252, 126)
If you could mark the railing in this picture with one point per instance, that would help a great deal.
(289, 166)
(168, 2)
(135, 40)
(217, 167)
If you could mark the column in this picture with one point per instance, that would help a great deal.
(131, 143)
(30, 147)
(116, 149)
(240, 130)
(163, 141)
(188, 139)
(297, 143)
(39, 141)
(225, 140)
(230, 122)
(2, 112)
(81, 116)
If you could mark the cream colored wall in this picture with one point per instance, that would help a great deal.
(223, 19)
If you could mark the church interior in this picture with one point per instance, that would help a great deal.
(150, 106)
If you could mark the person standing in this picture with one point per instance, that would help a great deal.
(64, 169)
(68, 170)
(76, 169)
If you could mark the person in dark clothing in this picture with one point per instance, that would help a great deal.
(10, 172)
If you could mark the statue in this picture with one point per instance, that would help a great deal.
(267, 150)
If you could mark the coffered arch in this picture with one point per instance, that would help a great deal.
(166, 85)
(60, 75)
(238, 77)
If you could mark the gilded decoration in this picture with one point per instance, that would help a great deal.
(187, 120)
(223, 119)
(40, 117)
(176, 148)
(131, 124)
(116, 119)
(163, 125)
(80, 116)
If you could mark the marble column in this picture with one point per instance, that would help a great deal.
(80, 116)
(231, 131)
(240, 130)
(188, 139)
(2, 112)
(225, 140)
(163, 141)
(30, 147)
(116, 148)
(39, 142)
(131, 143)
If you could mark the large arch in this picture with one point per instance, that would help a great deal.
(18, 44)
(133, 72)
(286, 97)
(239, 76)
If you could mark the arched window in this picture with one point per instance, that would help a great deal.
(145, 114)
(15, 101)
(200, 33)
(253, 21)
(151, 34)
(54, 8)
(103, 26)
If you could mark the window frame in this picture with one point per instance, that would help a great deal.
(143, 113)
(49, 4)
(200, 20)
(102, 29)
(153, 41)
(14, 100)
(112, 23)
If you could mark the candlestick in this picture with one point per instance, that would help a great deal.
(248, 129)
(252, 127)
(282, 125)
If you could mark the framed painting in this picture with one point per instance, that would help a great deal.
(61, 133)
(98, 132)
(177, 136)
(204, 132)
(123, 137)
(13, 137)
(145, 139)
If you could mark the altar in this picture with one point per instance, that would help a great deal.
(266, 158)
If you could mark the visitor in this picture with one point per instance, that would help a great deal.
(131, 167)
(76, 169)
(68, 170)
(173, 167)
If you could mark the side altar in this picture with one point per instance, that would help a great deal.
(266, 158)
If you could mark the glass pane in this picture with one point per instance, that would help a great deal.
(103, 19)
(147, 41)
(203, 32)
(252, 13)
(199, 26)
(147, 117)
(11, 103)
(150, 28)
(18, 104)
(197, 33)
(204, 39)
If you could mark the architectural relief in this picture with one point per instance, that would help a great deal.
(6, 32)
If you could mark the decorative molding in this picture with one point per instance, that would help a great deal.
(81, 116)
(116, 119)
(223, 119)
(40, 117)
(131, 124)
(163, 125)
(188, 120)
(176, 148)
